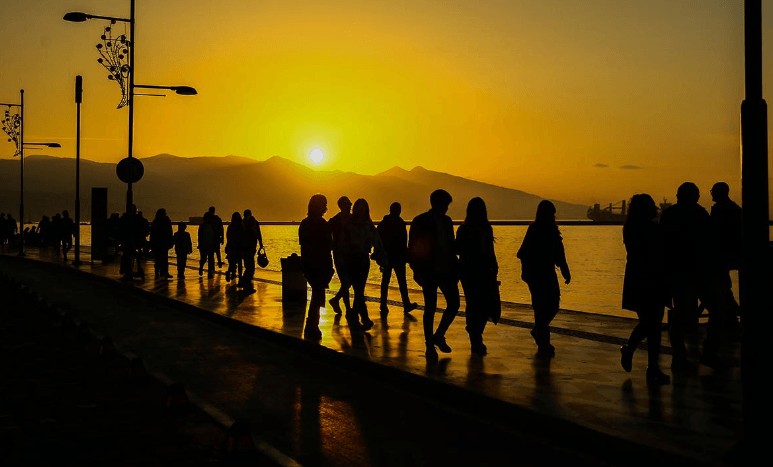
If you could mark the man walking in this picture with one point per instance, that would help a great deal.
(394, 237)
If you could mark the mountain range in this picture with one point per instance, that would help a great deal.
(275, 189)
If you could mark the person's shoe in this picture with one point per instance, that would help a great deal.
(479, 349)
(430, 351)
(336, 306)
(219, 264)
(626, 357)
(440, 343)
(201, 270)
(353, 322)
(410, 307)
(655, 377)
(168, 276)
(384, 310)
(312, 333)
(546, 351)
(367, 324)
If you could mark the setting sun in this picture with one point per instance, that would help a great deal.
(316, 155)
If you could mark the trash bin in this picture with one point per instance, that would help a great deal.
(293, 282)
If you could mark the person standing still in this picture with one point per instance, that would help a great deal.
(207, 243)
(68, 231)
(394, 236)
(161, 240)
(183, 246)
(432, 257)
(541, 251)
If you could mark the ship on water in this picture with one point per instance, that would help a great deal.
(615, 213)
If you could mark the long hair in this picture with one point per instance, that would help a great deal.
(317, 205)
(477, 216)
(236, 218)
(361, 211)
(546, 212)
(641, 208)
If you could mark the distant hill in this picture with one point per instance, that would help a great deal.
(275, 189)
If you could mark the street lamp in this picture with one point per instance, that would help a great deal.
(13, 126)
(117, 56)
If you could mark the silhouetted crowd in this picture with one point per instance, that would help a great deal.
(677, 260)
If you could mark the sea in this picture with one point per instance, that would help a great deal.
(595, 253)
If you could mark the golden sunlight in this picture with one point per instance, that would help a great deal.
(316, 155)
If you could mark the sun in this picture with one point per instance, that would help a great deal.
(316, 155)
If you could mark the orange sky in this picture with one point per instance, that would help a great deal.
(585, 101)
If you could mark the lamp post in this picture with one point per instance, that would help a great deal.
(117, 56)
(13, 126)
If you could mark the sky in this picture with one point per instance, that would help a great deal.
(579, 100)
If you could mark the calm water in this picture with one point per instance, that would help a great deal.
(596, 257)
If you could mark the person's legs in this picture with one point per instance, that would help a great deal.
(402, 283)
(182, 261)
(311, 331)
(386, 277)
(429, 290)
(685, 304)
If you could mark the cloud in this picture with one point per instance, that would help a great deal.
(631, 167)
(600, 164)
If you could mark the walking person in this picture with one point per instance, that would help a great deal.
(338, 224)
(183, 246)
(478, 269)
(688, 257)
(207, 242)
(218, 222)
(394, 236)
(541, 251)
(363, 238)
(252, 239)
(316, 244)
(67, 233)
(234, 247)
(432, 257)
(644, 284)
(161, 240)
(726, 219)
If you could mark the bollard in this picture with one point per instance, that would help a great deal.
(238, 439)
(176, 399)
(293, 282)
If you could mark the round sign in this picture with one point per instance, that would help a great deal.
(130, 170)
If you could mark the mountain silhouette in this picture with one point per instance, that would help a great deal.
(275, 189)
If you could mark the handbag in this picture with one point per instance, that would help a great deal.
(262, 258)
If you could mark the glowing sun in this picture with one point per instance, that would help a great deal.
(316, 155)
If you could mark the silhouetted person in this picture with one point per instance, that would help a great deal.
(144, 229)
(132, 238)
(432, 256)
(541, 251)
(644, 286)
(113, 234)
(338, 225)
(726, 221)
(253, 239)
(161, 240)
(57, 233)
(220, 234)
(67, 232)
(11, 228)
(478, 269)
(362, 238)
(183, 246)
(207, 243)
(234, 247)
(316, 260)
(686, 230)
(44, 232)
(727, 226)
(394, 236)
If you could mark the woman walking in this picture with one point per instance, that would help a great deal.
(478, 270)
(644, 285)
(362, 238)
(316, 260)
(541, 252)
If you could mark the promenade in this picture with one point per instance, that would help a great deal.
(579, 400)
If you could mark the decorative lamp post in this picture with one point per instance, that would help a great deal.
(117, 56)
(13, 126)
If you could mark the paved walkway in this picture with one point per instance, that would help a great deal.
(583, 389)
